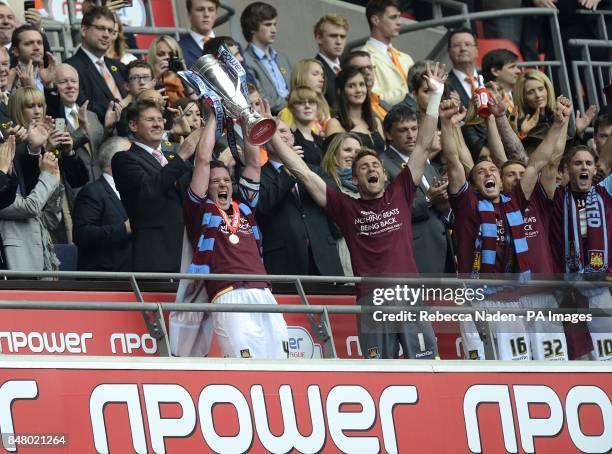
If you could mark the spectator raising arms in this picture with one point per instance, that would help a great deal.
(354, 112)
(379, 248)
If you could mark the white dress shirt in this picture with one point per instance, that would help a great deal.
(199, 38)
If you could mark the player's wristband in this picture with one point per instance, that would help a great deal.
(435, 96)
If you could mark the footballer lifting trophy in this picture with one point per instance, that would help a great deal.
(221, 80)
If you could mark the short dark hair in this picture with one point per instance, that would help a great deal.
(602, 121)
(213, 44)
(510, 162)
(253, 15)
(216, 164)
(362, 153)
(456, 31)
(95, 13)
(398, 114)
(137, 64)
(572, 152)
(189, 4)
(416, 75)
(377, 8)
(497, 59)
(478, 161)
(16, 37)
(134, 109)
(352, 54)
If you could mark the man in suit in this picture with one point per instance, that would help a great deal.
(330, 33)
(430, 209)
(462, 51)
(271, 68)
(149, 182)
(101, 226)
(202, 16)
(390, 65)
(295, 231)
(101, 77)
(27, 47)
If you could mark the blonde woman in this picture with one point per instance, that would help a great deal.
(117, 50)
(162, 51)
(309, 73)
(534, 97)
(303, 105)
(338, 164)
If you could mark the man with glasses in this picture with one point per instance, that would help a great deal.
(139, 75)
(101, 77)
(462, 51)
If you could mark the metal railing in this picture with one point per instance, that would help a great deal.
(593, 85)
(559, 57)
(153, 312)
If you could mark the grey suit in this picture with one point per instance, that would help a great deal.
(94, 137)
(265, 83)
(21, 226)
(430, 241)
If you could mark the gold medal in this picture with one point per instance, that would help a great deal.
(234, 239)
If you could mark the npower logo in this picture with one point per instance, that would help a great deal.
(532, 428)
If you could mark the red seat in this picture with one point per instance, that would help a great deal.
(488, 44)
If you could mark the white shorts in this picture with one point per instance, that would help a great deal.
(601, 327)
(511, 339)
(250, 335)
(547, 337)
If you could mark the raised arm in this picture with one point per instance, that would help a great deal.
(204, 142)
(511, 143)
(314, 184)
(544, 153)
(252, 165)
(605, 158)
(450, 146)
(548, 177)
(498, 154)
(418, 158)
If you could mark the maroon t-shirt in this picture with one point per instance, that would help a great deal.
(467, 227)
(537, 218)
(227, 258)
(378, 232)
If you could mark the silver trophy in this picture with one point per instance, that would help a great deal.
(227, 87)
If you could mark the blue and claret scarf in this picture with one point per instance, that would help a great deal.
(596, 245)
(211, 220)
(485, 247)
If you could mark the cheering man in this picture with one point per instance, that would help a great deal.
(490, 226)
(226, 240)
(377, 226)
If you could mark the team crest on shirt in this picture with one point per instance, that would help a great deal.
(373, 352)
(596, 259)
(246, 353)
(476, 263)
(473, 354)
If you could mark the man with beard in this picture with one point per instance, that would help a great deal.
(581, 237)
(489, 226)
(101, 77)
(226, 240)
(28, 50)
(378, 229)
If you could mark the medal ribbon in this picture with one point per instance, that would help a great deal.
(235, 222)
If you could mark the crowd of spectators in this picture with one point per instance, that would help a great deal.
(99, 151)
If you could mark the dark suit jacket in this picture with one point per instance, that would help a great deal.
(330, 79)
(430, 242)
(455, 84)
(153, 200)
(265, 84)
(99, 229)
(289, 226)
(191, 50)
(91, 82)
